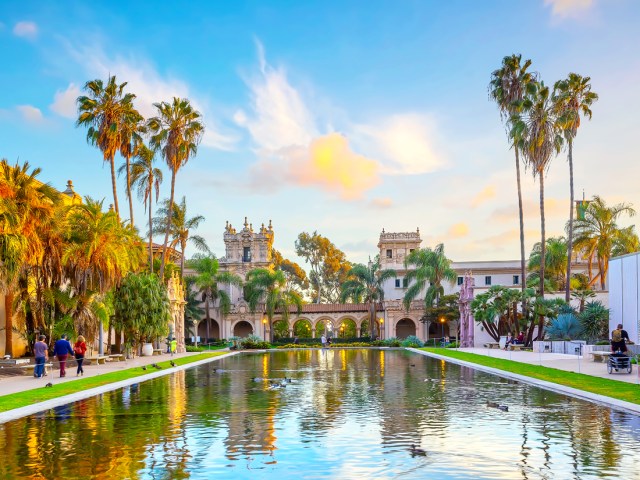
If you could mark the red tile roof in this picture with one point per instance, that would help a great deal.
(334, 308)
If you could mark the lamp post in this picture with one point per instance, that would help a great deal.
(442, 320)
(382, 329)
(264, 328)
(342, 331)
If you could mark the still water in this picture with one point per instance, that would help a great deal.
(346, 414)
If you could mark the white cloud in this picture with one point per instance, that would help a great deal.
(64, 102)
(569, 8)
(27, 30)
(30, 113)
(151, 87)
(405, 144)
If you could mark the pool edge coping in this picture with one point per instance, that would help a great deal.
(610, 402)
(25, 411)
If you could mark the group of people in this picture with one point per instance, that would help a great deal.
(511, 340)
(61, 350)
(326, 341)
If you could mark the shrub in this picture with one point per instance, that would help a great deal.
(595, 320)
(565, 326)
(191, 348)
(412, 341)
(453, 345)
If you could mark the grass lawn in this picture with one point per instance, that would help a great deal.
(29, 397)
(629, 392)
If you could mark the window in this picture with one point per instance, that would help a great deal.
(460, 280)
(516, 279)
(389, 253)
(487, 280)
(405, 283)
(246, 254)
(397, 283)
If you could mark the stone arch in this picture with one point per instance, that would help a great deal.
(302, 328)
(280, 329)
(347, 327)
(322, 325)
(364, 326)
(214, 330)
(242, 328)
(405, 327)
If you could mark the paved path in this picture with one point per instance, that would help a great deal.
(569, 363)
(21, 383)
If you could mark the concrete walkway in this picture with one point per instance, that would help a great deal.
(21, 383)
(569, 363)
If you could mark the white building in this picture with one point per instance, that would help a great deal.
(624, 294)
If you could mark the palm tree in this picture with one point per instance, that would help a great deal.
(366, 284)
(103, 112)
(555, 267)
(537, 133)
(207, 280)
(597, 234)
(432, 267)
(131, 128)
(508, 88)
(267, 287)
(176, 131)
(575, 97)
(146, 178)
(181, 228)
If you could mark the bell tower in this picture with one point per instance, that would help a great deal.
(247, 249)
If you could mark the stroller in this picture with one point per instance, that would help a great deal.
(619, 361)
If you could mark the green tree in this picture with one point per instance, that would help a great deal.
(181, 228)
(296, 277)
(267, 288)
(103, 111)
(595, 321)
(537, 134)
(508, 88)
(574, 97)
(598, 233)
(366, 284)
(207, 279)
(431, 268)
(555, 268)
(147, 179)
(176, 131)
(141, 308)
(192, 310)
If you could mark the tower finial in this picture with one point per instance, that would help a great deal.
(245, 222)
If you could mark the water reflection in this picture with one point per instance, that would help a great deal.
(344, 414)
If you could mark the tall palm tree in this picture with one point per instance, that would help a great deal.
(130, 131)
(366, 284)
(432, 267)
(176, 131)
(508, 87)
(181, 228)
(208, 278)
(598, 233)
(268, 288)
(574, 98)
(537, 133)
(103, 110)
(147, 179)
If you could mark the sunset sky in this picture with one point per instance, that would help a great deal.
(340, 117)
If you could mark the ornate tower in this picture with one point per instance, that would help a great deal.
(246, 249)
(394, 247)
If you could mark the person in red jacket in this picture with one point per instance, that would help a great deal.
(79, 349)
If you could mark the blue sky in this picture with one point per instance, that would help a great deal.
(341, 117)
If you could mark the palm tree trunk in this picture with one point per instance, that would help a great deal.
(372, 319)
(150, 237)
(603, 272)
(567, 291)
(8, 324)
(206, 309)
(182, 262)
(169, 215)
(113, 184)
(521, 215)
(127, 159)
(542, 254)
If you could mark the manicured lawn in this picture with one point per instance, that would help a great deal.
(29, 397)
(629, 392)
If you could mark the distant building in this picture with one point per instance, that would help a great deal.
(624, 294)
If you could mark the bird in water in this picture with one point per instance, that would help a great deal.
(415, 451)
(504, 408)
(48, 385)
(173, 364)
(287, 380)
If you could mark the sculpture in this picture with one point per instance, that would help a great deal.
(464, 305)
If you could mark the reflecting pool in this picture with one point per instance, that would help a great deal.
(345, 414)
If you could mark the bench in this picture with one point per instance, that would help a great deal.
(516, 346)
(600, 356)
(492, 345)
(158, 351)
(30, 368)
(117, 357)
(100, 360)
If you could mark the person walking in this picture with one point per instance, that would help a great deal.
(62, 349)
(79, 349)
(41, 352)
(323, 340)
(173, 345)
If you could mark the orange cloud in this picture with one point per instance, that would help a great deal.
(459, 230)
(385, 202)
(486, 194)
